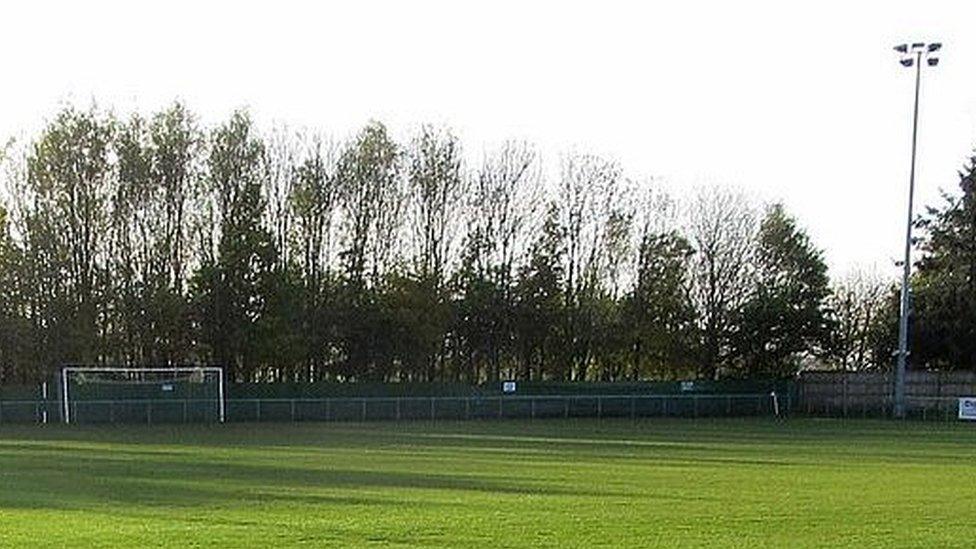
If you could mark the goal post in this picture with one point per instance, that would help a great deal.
(142, 394)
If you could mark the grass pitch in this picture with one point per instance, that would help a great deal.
(550, 483)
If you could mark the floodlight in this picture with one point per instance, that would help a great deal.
(917, 49)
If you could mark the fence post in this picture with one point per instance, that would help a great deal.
(633, 407)
(258, 403)
(599, 407)
(149, 412)
(467, 408)
(432, 414)
(845, 398)
(397, 400)
(728, 405)
(327, 401)
(500, 408)
(566, 402)
(364, 409)
(694, 404)
(532, 408)
(185, 419)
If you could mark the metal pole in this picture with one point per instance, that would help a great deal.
(899, 411)
(44, 398)
(64, 395)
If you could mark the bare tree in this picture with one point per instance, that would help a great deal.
(314, 201)
(589, 202)
(722, 225)
(436, 186)
(857, 302)
(504, 201)
(372, 200)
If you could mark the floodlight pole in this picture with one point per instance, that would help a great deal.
(918, 50)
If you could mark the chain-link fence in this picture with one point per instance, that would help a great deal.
(177, 410)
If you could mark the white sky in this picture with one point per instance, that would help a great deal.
(802, 103)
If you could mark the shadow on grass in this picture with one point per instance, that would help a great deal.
(52, 476)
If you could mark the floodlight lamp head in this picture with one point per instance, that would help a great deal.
(933, 61)
(907, 62)
(935, 46)
(918, 45)
(902, 48)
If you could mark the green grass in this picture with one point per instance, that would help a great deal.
(551, 483)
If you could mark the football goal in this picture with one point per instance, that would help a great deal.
(177, 394)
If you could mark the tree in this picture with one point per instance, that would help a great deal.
(595, 224)
(722, 227)
(857, 306)
(500, 210)
(784, 319)
(314, 203)
(371, 196)
(14, 328)
(236, 278)
(540, 309)
(659, 314)
(435, 188)
(372, 200)
(149, 225)
(65, 216)
(944, 301)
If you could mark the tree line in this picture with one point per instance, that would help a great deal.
(288, 255)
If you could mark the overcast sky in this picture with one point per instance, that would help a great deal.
(807, 104)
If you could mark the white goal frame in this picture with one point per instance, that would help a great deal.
(66, 370)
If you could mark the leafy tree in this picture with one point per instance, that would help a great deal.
(660, 316)
(14, 329)
(944, 304)
(372, 201)
(784, 318)
(237, 278)
(540, 309)
(149, 225)
(313, 203)
(66, 196)
(436, 186)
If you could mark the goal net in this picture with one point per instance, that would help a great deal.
(142, 395)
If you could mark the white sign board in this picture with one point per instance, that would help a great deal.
(967, 408)
(508, 387)
(687, 386)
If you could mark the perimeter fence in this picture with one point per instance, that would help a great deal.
(404, 402)
(928, 395)
(428, 408)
